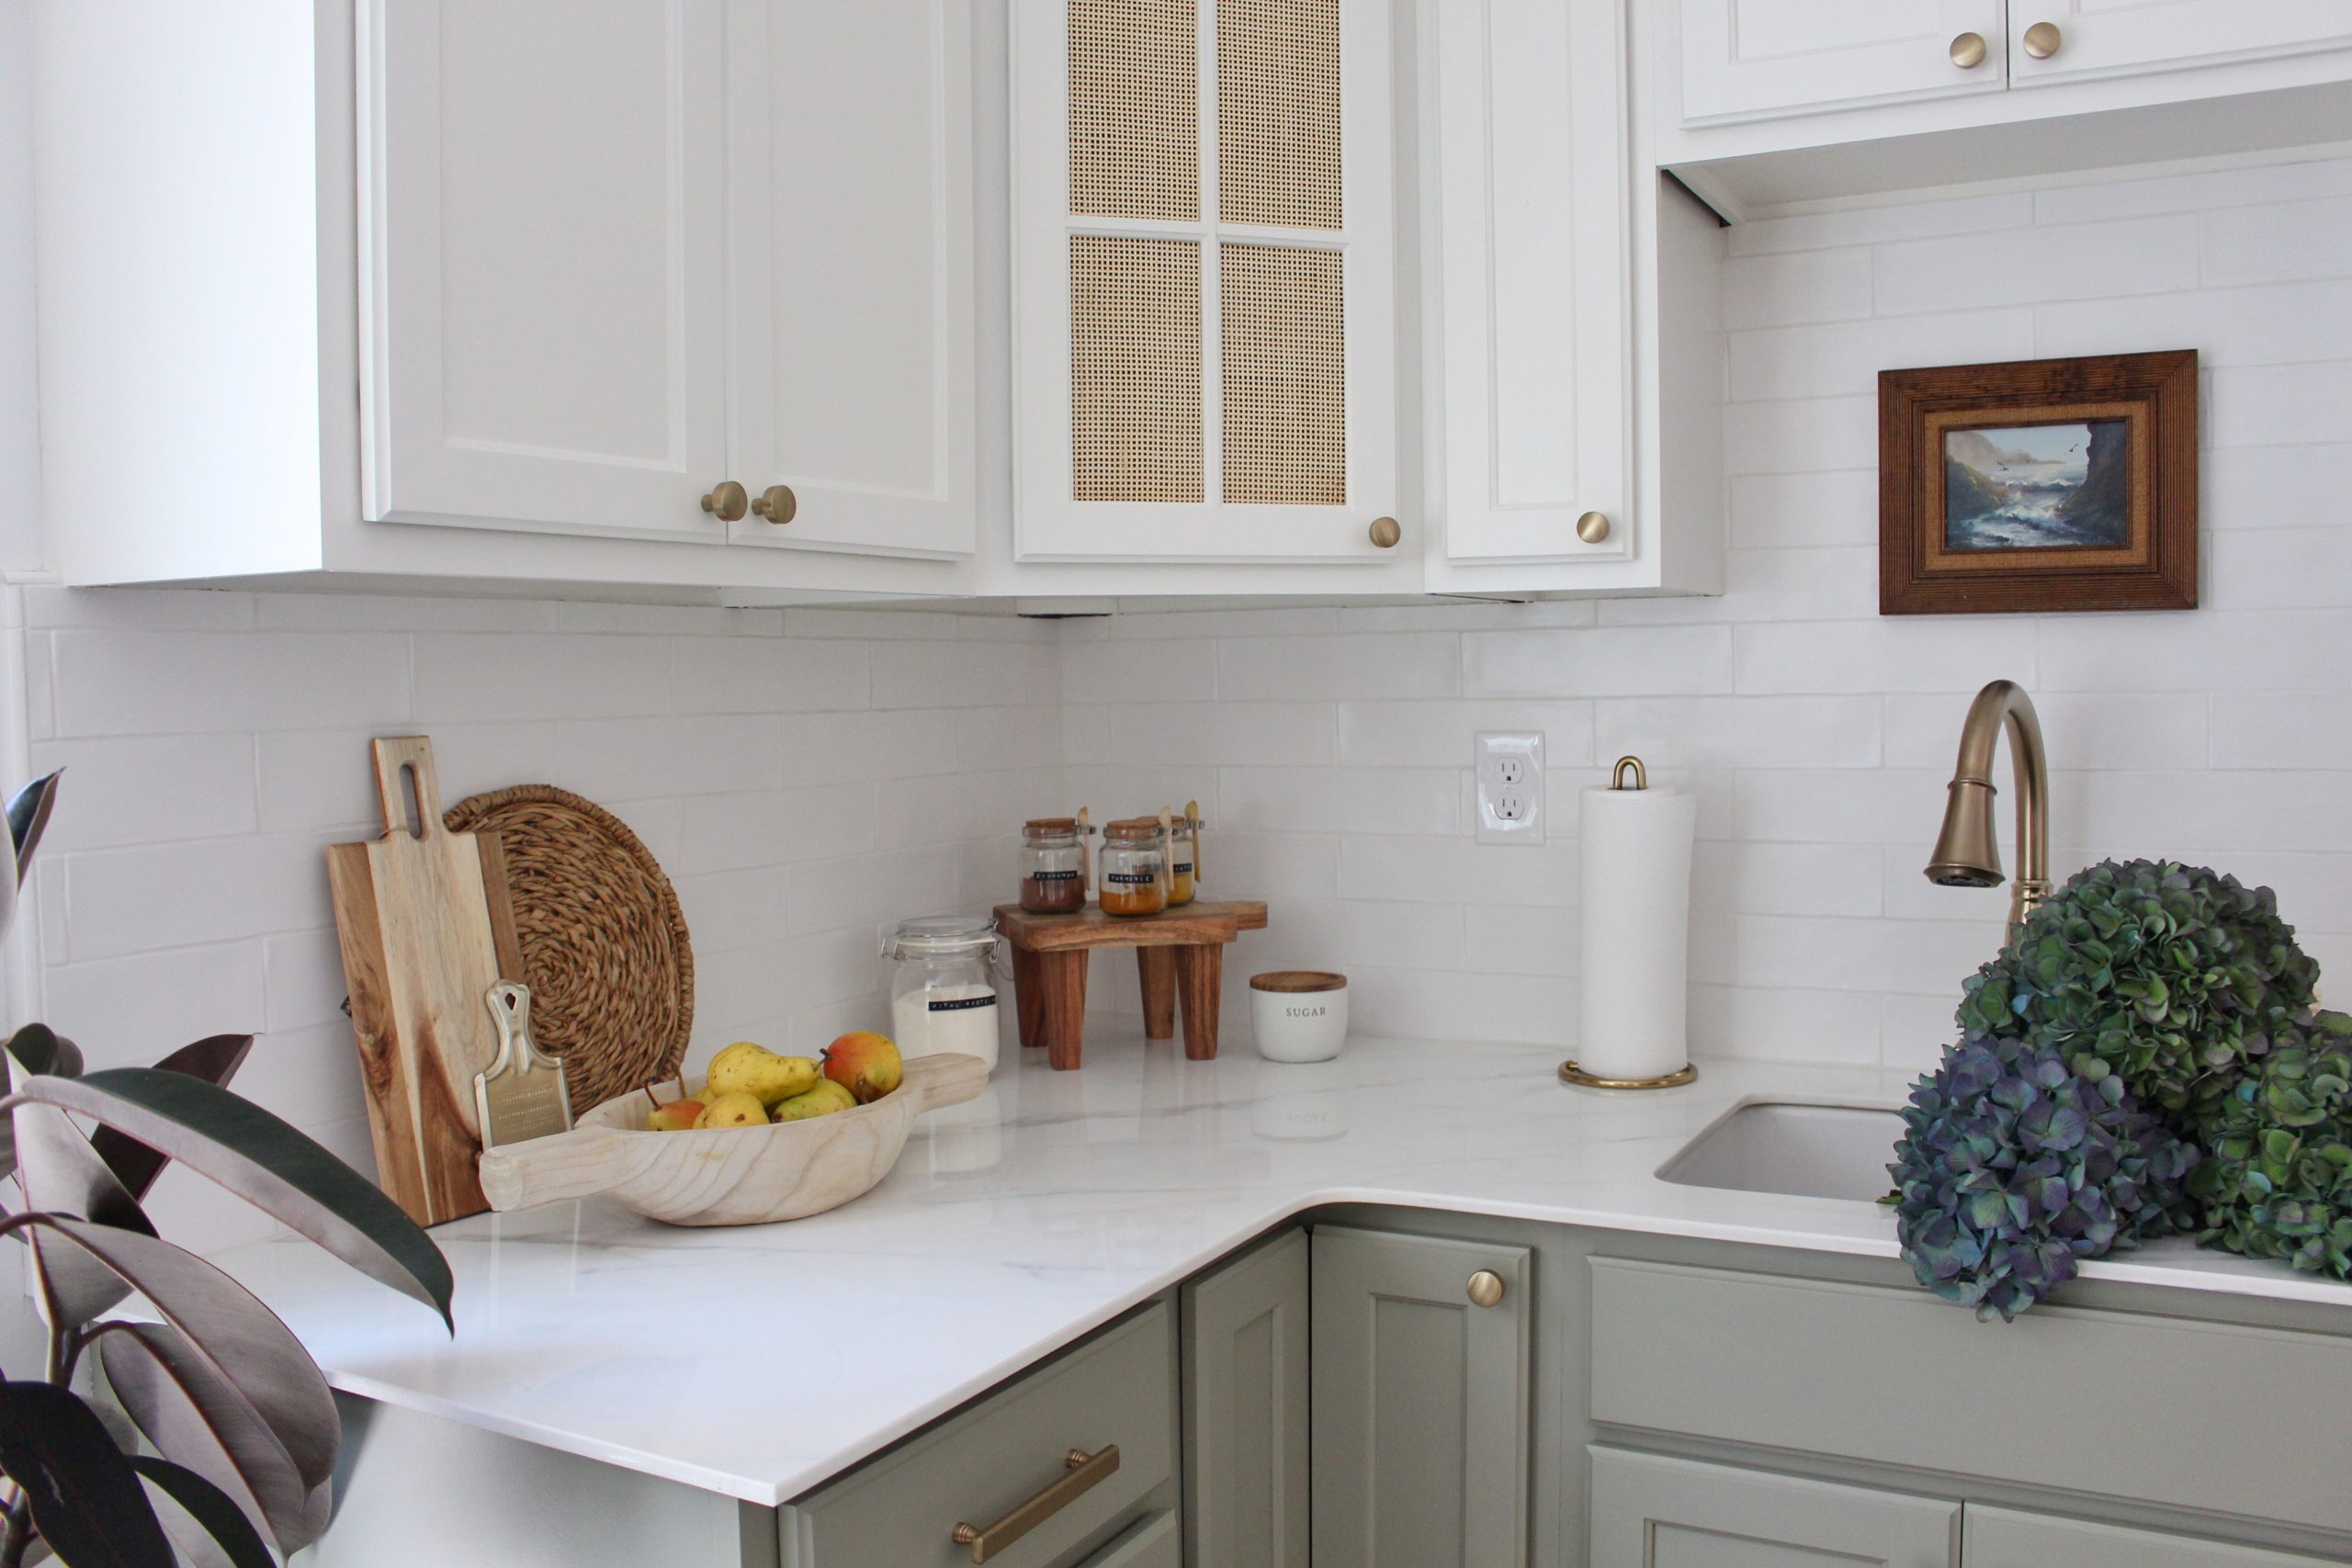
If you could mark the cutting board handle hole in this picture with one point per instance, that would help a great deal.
(412, 803)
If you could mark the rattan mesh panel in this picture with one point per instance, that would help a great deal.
(1135, 130)
(1284, 337)
(1134, 369)
(1278, 112)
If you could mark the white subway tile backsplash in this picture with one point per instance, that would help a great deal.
(1600, 662)
(2269, 244)
(1391, 664)
(172, 683)
(809, 776)
(2015, 266)
(1803, 286)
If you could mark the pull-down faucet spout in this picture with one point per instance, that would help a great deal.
(1966, 853)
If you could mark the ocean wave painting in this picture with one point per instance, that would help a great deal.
(2037, 487)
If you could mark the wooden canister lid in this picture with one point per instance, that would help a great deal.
(1298, 980)
(1050, 827)
(1131, 829)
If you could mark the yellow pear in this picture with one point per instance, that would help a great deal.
(746, 1068)
(732, 1110)
(825, 1098)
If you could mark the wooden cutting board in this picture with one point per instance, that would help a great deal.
(415, 911)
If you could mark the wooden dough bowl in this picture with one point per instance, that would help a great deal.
(726, 1176)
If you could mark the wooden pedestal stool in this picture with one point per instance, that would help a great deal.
(1180, 956)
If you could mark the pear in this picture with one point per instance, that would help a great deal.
(672, 1116)
(823, 1099)
(746, 1068)
(732, 1110)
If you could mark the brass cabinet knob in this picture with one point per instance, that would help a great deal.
(2042, 39)
(1485, 1288)
(778, 504)
(1968, 50)
(726, 501)
(1592, 527)
(1385, 533)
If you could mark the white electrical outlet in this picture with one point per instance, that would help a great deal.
(1510, 786)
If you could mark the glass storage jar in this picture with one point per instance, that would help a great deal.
(1135, 867)
(1183, 852)
(942, 993)
(1053, 866)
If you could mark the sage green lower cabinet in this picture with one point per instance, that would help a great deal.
(2003, 1538)
(1650, 1511)
(1421, 1401)
(982, 1465)
(1246, 1409)
(1154, 1542)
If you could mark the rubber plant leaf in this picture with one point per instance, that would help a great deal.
(85, 1498)
(28, 811)
(226, 1329)
(215, 1059)
(223, 1524)
(268, 1163)
(37, 1050)
(198, 1418)
(61, 1174)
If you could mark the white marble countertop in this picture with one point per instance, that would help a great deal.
(759, 1361)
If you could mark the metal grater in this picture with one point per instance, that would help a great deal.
(522, 1094)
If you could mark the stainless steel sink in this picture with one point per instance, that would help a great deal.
(1808, 1151)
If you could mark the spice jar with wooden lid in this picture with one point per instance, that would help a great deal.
(1135, 867)
(1053, 866)
(1183, 853)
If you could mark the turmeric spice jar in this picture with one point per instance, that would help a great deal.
(1135, 867)
(1183, 848)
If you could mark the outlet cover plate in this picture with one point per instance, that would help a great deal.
(1510, 786)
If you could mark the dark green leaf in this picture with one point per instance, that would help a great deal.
(28, 811)
(36, 1050)
(198, 1418)
(85, 1499)
(226, 1327)
(215, 1059)
(266, 1162)
(209, 1506)
(61, 1174)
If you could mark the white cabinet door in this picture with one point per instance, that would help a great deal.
(2002, 1538)
(852, 338)
(1537, 343)
(1755, 58)
(1652, 1512)
(1204, 248)
(541, 250)
(2110, 37)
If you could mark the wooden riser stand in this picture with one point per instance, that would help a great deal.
(1179, 961)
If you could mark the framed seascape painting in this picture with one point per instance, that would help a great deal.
(2042, 484)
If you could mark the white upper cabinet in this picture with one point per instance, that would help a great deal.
(1755, 59)
(853, 316)
(2073, 40)
(1537, 395)
(1203, 251)
(542, 263)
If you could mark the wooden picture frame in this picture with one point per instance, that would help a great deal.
(2078, 478)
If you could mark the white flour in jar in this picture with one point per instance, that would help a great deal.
(949, 1018)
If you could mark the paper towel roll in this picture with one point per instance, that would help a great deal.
(1635, 917)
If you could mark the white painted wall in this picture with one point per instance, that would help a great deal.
(1332, 748)
(20, 422)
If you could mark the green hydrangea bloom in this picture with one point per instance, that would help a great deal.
(2178, 977)
(2277, 1181)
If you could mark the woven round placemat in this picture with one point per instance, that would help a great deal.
(605, 948)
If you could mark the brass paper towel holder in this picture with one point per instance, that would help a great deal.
(1569, 1071)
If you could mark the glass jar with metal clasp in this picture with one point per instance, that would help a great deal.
(1134, 867)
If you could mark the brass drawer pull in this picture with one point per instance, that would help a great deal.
(1086, 1470)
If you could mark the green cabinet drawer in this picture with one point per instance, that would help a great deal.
(2119, 1403)
(900, 1510)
